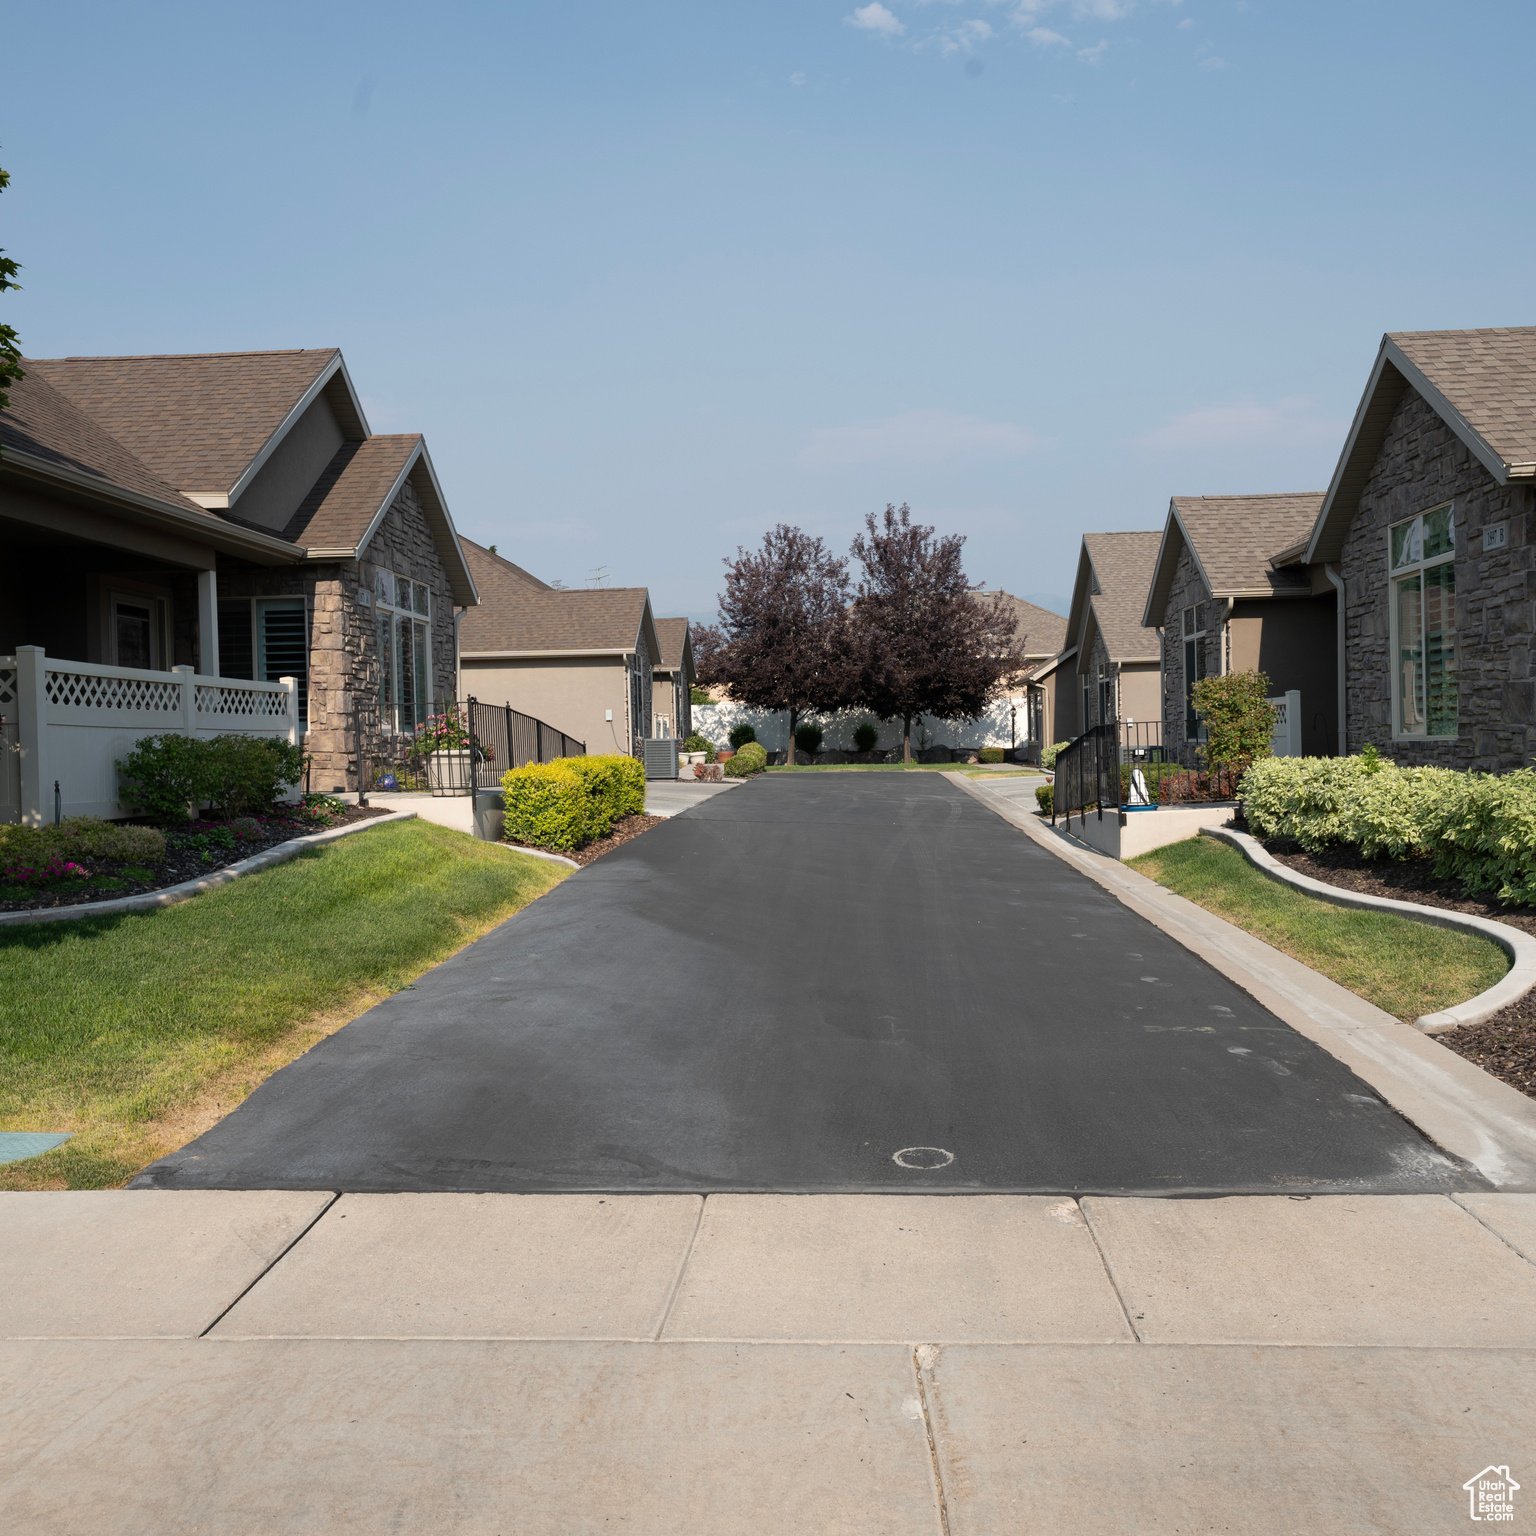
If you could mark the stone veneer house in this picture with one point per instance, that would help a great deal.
(232, 512)
(1230, 593)
(1111, 671)
(1429, 530)
(580, 660)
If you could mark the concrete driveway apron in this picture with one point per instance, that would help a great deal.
(820, 982)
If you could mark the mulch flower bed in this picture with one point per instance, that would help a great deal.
(624, 830)
(198, 848)
(1505, 1045)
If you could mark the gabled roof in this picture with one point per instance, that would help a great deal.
(520, 621)
(1040, 632)
(1234, 542)
(49, 438)
(1114, 572)
(347, 503)
(1482, 384)
(206, 422)
(676, 644)
(495, 575)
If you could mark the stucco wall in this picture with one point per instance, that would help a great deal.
(1423, 464)
(569, 693)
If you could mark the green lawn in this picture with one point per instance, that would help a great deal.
(1405, 968)
(137, 1032)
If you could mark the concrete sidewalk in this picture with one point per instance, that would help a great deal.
(224, 1362)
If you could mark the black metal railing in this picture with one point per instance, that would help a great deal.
(501, 737)
(1122, 764)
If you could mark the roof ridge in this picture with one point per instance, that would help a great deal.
(149, 357)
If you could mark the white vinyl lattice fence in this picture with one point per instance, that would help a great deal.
(68, 722)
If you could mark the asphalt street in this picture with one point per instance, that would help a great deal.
(820, 982)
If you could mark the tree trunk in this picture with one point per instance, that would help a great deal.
(789, 755)
(906, 738)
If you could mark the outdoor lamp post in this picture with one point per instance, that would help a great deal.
(1013, 735)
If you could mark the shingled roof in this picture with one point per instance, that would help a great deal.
(496, 575)
(1114, 572)
(672, 637)
(1482, 384)
(202, 421)
(1040, 632)
(1234, 541)
(518, 619)
(41, 422)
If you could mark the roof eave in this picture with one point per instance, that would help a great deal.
(545, 655)
(227, 537)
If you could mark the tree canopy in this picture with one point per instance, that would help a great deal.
(10, 345)
(926, 643)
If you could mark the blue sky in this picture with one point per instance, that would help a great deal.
(652, 278)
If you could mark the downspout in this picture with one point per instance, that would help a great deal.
(1338, 603)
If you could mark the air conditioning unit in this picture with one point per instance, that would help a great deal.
(660, 758)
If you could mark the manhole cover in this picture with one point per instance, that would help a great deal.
(922, 1157)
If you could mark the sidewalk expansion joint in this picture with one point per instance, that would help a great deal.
(1455, 1200)
(918, 1352)
(682, 1269)
(1109, 1274)
(309, 1227)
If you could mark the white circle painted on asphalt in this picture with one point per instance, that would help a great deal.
(922, 1157)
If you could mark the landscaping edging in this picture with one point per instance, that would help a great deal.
(537, 853)
(147, 901)
(1520, 947)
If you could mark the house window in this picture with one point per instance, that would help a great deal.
(1194, 667)
(1421, 555)
(137, 624)
(404, 633)
(1108, 704)
(266, 638)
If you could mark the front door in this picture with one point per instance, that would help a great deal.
(135, 633)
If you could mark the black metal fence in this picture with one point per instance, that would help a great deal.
(454, 750)
(501, 738)
(1125, 763)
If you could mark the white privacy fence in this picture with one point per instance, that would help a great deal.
(993, 729)
(1286, 742)
(67, 723)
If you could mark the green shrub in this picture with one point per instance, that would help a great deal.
(741, 735)
(165, 777)
(749, 759)
(808, 738)
(170, 776)
(697, 743)
(865, 736)
(991, 754)
(547, 806)
(1238, 719)
(247, 775)
(615, 783)
(79, 837)
(1045, 797)
(1048, 754)
(1477, 828)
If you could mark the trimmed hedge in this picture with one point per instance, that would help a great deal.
(1048, 754)
(749, 759)
(571, 801)
(990, 755)
(1477, 828)
(1045, 797)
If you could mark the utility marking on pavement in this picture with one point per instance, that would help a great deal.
(922, 1158)
(1150, 978)
(1239, 1050)
(1219, 1008)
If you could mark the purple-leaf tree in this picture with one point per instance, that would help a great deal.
(926, 643)
(783, 637)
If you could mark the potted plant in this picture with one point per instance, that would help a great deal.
(444, 741)
(697, 749)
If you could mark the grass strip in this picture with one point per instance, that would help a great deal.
(1405, 968)
(138, 1031)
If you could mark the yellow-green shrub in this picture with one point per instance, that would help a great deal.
(79, 837)
(750, 759)
(547, 806)
(616, 782)
(1477, 828)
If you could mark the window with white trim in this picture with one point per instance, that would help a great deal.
(1421, 560)
(403, 610)
(266, 638)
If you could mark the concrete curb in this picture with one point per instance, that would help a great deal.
(1456, 1104)
(149, 901)
(536, 853)
(1520, 947)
